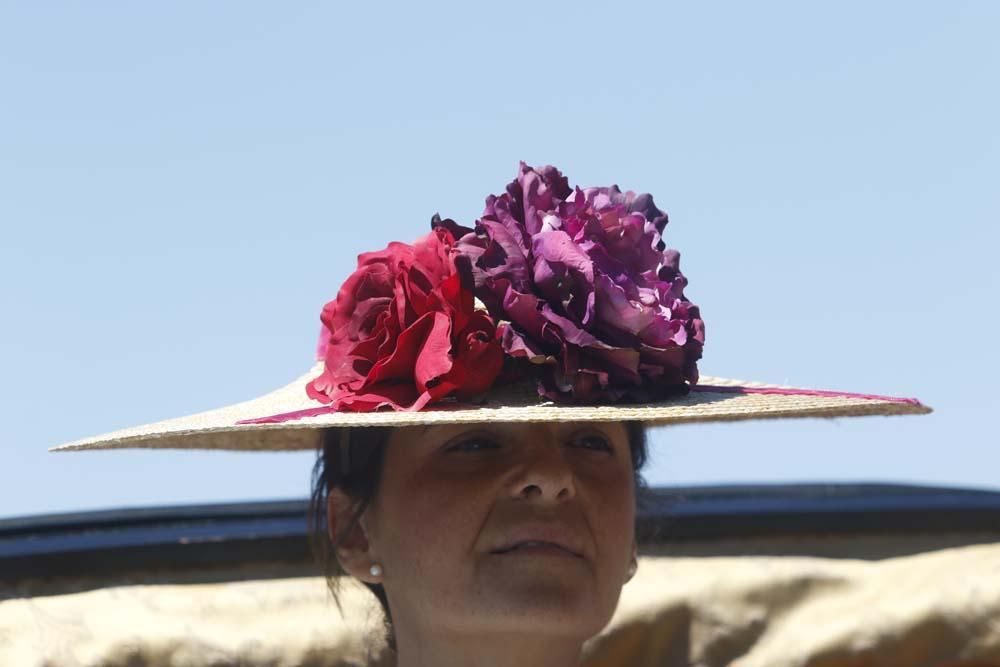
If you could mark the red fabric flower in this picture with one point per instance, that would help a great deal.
(403, 331)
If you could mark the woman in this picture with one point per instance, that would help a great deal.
(507, 542)
(516, 363)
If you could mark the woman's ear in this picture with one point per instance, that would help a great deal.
(347, 534)
(634, 563)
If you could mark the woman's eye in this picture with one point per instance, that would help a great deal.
(474, 445)
(594, 442)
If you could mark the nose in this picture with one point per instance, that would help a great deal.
(544, 473)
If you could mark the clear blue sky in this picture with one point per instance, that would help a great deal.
(183, 185)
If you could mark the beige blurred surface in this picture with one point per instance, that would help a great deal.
(939, 607)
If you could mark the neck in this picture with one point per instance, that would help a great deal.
(425, 650)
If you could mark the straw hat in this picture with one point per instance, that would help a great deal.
(561, 304)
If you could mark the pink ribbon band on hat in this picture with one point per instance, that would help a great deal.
(283, 417)
(780, 391)
(709, 389)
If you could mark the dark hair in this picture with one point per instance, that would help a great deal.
(350, 459)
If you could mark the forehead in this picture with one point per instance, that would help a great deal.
(549, 430)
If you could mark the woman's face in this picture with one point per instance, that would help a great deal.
(505, 527)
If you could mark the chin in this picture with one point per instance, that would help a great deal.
(549, 605)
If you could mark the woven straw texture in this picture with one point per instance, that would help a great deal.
(218, 429)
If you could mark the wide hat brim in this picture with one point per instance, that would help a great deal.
(714, 399)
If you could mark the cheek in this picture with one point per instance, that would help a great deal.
(611, 503)
(426, 528)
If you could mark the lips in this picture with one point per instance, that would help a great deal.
(538, 548)
(541, 539)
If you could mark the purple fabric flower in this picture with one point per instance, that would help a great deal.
(592, 299)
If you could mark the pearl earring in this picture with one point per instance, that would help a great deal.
(375, 570)
(632, 568)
